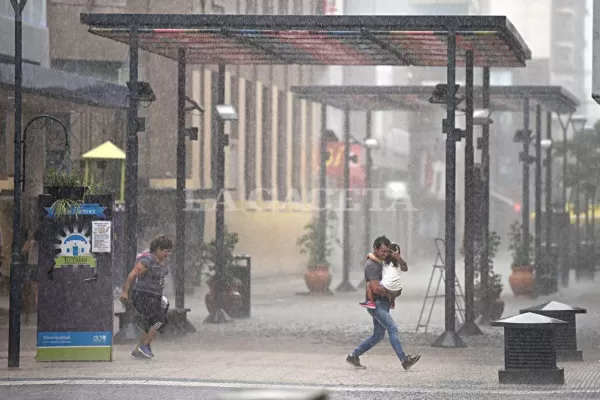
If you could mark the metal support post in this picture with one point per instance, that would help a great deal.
(219, 315)
(16, 281)
(180, 201)
(368, 194)
(485, 164)
(553, 282)
(131, 160)
(525, 210)
(323, 184)
(540, 260)
(450, 338)
(469, 327)
(345, 285)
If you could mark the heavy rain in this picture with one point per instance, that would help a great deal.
(299, 199)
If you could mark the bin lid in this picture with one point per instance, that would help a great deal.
(528, 320)
(554, 307)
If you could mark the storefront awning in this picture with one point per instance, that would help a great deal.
(63, 85)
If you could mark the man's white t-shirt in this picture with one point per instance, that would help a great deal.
(390, 277)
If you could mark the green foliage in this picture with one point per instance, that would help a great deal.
(63, 207)
(208, 257)
(586, 148)
(94, 189)
(495, 286)
(318, 248)
(520, 255)
(56, 178)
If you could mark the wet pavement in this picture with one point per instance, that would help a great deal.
(220, 390)
(295, 339)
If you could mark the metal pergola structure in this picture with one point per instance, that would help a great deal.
(413, 97)
(430, 41)
(366, 98)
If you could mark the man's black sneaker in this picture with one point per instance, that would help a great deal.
(409, 361)
(355, 362)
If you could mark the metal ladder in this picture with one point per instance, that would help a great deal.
(439, 265)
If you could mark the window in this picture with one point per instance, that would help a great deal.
(35, 13)
(563, 57)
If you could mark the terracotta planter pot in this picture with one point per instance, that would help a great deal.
(522, 280)
(231, 299)
(318, 280)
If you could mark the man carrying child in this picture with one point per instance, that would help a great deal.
(390, 279)
(382, 320)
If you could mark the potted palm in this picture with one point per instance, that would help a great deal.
(318, 249)
(522, 279)
(494, 287)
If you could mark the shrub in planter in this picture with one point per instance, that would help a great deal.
(495, 287)
(318, 248)
(522, 279)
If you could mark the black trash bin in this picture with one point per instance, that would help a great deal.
(566, 334)
(530, 350)
(242, 271)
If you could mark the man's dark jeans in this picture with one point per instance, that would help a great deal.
(382, 322)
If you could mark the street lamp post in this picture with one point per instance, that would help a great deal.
(551, 285)
(14, 310)
(524, 136)
(370, 143)
(565, 241)
(578, 123)
(225, 112)
(540, 260)
(345, 285)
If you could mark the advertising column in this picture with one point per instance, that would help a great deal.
(75, 309)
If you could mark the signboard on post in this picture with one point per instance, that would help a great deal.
(75, 306)
(101, 237)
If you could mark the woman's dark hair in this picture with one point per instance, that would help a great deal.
(161, 242)
(394, 247)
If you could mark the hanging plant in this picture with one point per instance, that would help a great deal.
(69, 191)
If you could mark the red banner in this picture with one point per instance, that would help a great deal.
(335, 164)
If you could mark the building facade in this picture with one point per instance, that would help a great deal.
(270, 159)
(90, 111)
